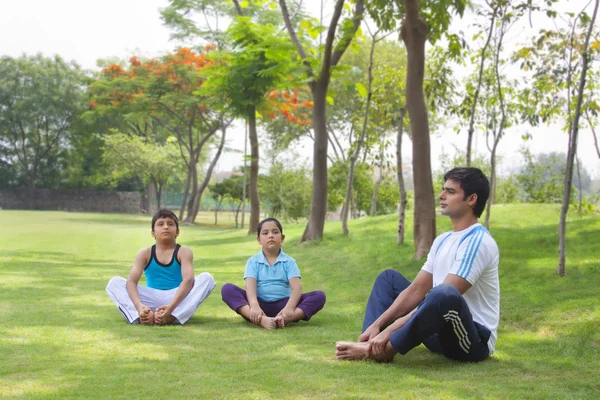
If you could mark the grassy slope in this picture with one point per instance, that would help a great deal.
(61, 337)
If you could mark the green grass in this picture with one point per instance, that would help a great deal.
(61, 337)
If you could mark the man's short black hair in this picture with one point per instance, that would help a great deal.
(164, 213)
(471, 180)
(260, 224)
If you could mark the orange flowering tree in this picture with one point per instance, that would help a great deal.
(169, 93)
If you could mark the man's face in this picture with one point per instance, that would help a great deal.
(452, 201)
(165, 228)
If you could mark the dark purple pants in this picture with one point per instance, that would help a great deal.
(310, 303)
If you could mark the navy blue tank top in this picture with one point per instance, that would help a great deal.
(163, 276)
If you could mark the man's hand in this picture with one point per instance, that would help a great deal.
(369, 334)
(378, 344)
(256, 314)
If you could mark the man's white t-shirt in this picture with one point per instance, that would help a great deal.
(473, 255)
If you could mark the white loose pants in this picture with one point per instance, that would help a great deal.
(154, 298)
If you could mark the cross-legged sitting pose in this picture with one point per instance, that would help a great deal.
(273, 297)
(453, 305)
(173, 293)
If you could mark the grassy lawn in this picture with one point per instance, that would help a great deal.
(61, 337)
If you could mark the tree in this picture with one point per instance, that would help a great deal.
(286, 189)
(134, 156)
(367, 93)
(559, 76)
(415, 31)
(41, 99)
(319, 79)
(257, 63)
(167, 92)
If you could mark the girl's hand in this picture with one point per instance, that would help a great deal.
(256, 314)
(287, 315)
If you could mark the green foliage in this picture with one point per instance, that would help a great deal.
(258, 61)
(287, 191)
(41, 100)
(133, 156)
(507, 190)
(541, 179)
(437, 14)
(362, 186)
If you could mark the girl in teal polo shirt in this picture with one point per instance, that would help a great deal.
(273, 297)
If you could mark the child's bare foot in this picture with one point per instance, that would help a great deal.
(268, 322)
(160, 319)
(147, 317)
(279, 321)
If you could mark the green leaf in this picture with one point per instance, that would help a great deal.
(243, 4)
(362, 90)
(330, 100)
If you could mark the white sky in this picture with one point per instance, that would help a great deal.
(85, 31)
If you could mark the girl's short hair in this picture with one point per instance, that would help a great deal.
(260, 224)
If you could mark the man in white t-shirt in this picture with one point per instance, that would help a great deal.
(453, 305)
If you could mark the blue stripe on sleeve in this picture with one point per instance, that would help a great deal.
(442, 243)
(467, 262)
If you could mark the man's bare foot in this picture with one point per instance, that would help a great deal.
(268, 322)
(147, 317)
(279, 321)
(352, 351)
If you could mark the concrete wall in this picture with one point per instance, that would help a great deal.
(71, 200)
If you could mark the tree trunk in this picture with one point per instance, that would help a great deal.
(236, 215)
(253, 189)
(192, 218)
(245, 175)
(414, 35)
(347, 201)
(478, 88)
(194, 193)
(562, 228)
(377, 184)
(158, 194)
(491, 199)
(401, 187)
(318, 211)
(579, 191)
(188, 180)
(150, 193)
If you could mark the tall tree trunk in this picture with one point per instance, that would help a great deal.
(158, 194)
(562, 228)
(192, 218)
(377, 184)
(401, 186)
(361, 139)
(253, 189)
(194, 192)
(414, 35)
(318, 211)
(188, 180)
(478, 88)
(579, 191)
(150, 193)
(245, 174)
(347, 201)
(237, 212)
(492, 199)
